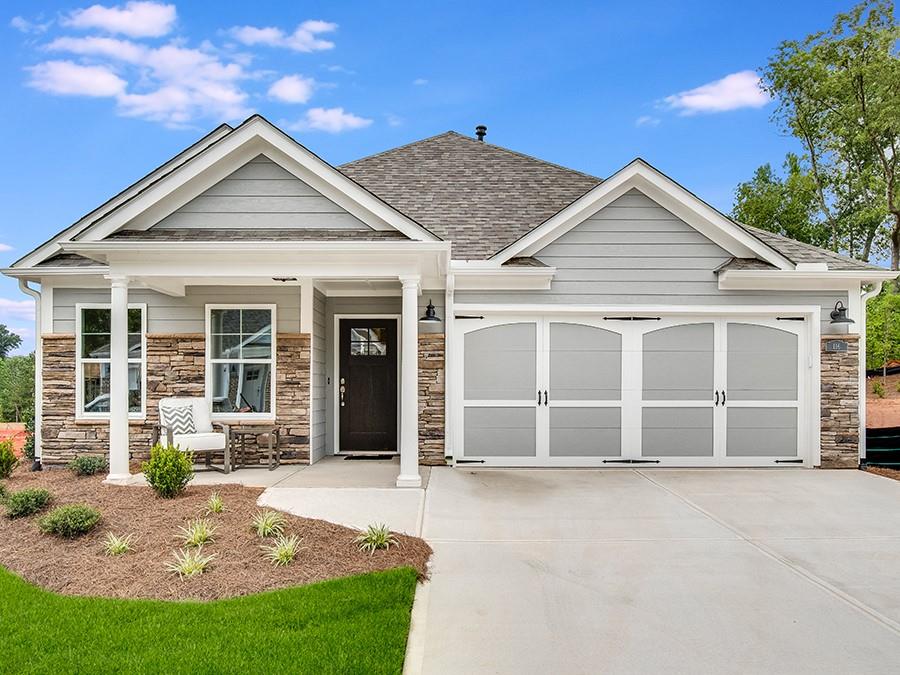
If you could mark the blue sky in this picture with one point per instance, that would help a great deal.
(95, 96)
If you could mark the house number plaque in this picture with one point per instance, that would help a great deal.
(836, 346)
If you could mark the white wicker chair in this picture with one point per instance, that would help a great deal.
(205, 439)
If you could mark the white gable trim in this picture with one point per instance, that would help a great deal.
(665, 192)
(254, 137)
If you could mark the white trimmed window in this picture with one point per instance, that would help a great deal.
(92, 345)
(240, 360)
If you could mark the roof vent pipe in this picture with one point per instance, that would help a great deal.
(480, 132)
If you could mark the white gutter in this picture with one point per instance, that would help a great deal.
(865, 296)
(38, 371)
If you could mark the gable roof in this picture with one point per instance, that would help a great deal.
(477, 195)
(799, 252)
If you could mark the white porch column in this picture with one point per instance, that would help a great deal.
(409, 385)
(118, 382)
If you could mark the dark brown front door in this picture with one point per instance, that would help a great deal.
(367, 385)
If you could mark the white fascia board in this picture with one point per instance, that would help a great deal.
(253, 138)
(635, 310)
(777, 280)
(51, 247)
(100, 250)
(497, 279)
(664, 191)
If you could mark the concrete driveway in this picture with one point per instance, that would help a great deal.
(648, 571)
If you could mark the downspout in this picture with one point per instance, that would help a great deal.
(865, 296)
(38, 372)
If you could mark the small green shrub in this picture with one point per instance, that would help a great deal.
(116, 545)
(283, 550)
(70, 521)
(268, 523)
(878, 389)
(190, 562)
(197, 532)
(376, 537)
(169, 470)
(87, 465)
(26, 502)
(215, 503)
(8, 459)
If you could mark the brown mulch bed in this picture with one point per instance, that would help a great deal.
(882, 471)
(80, 566)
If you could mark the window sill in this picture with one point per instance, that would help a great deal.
(132, 421)
(245, 421)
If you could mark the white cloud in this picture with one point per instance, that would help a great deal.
(5, 247)
(174, 84)
(16, 310)
(340, 69)
(394, 120)
(23, 25)
(303, 39)
(420, 81)
(647, 121)
(738, 90)
(65, 78)
(332, 120)
(134, 19)
(292, 89)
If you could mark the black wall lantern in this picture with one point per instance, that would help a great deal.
(430, 316)
(839, 314)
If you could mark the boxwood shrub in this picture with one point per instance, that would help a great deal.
(87, 465)
(168, 470)
(26, 502)
(8, 459)
(71, 520)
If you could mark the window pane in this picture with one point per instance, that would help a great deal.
(225, 346)
(134, 345)
(95, 387)
(225, 321)
(358, 348)
(134, 320)
(134, 387)
(95, 321)
(258, 345)
(95, 346)
(377, 334)
(238, 387)
(359, 334)
(377, 348)
(255, 320)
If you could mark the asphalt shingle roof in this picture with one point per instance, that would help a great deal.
(798, 252)
(479, 196)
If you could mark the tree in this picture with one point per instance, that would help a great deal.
(17, 388)
(838, 92)
(8, 341)
(883, 330)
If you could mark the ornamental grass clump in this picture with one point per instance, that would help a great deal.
(8, 459)
(87, 465)
(190, 562)
(197, 532)
(376, 537)
(168, 470)
(26, 502)
(268, 523)
(70, 521)
(215, 503)
(115, 545)
(283, 550)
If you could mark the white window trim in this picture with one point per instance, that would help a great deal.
(80, 414)
(242, 417)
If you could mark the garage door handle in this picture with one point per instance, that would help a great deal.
(723, 397)
(717, 397)
(545, 397)
(539, 396)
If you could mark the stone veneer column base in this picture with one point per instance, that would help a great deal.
(431, 399)
(840, 404)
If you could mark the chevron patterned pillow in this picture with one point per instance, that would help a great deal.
(180, 419)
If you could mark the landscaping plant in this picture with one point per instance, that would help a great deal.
(197, 532)
(878, 389)
(70, 521)
(376, 537)
(87, 465)
(168, 470)
(215, 503)
(190, 562)
(115, 545)
(8, 459)
(283, 550)
(26, 502)
(268, 523)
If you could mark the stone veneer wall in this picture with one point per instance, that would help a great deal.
(175, 367)
(431, 399)
(840, 404)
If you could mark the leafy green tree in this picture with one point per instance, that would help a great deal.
(17, 388)
(8, 341)
(838, 92)
(883, 329)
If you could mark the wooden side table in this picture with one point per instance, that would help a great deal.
(239, 436)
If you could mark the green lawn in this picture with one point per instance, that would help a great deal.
(353, 625)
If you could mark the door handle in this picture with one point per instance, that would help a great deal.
(342, 389)
(723, 397)
(539, 397)
(545, 397)
(717, 397)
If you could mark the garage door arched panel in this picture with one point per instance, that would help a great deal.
(501, 362)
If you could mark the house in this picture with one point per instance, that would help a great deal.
(448, 300)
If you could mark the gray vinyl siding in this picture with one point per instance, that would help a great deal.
(317, 441)
(634, 252)
(168, 315)
(261, 194)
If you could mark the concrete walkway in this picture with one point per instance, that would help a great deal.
(648, 571)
